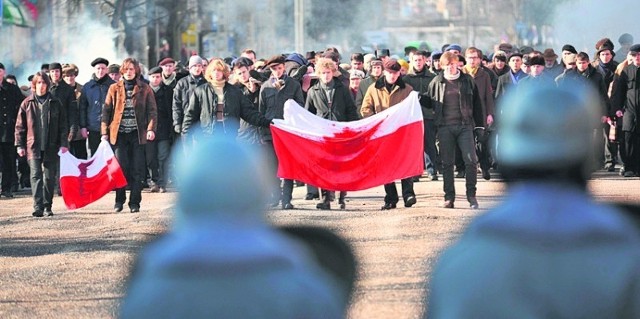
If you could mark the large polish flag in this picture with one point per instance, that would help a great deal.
(350, 156)
(83, 182)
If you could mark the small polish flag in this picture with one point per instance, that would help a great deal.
(83, 182)
(350, 156)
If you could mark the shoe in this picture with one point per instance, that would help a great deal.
(410, 201)
(610, 168)
(415, 179)
(473, 203)
(37, 213)
(48, 212)
(287, 206)
(460, 174)
(7, 194)
(434, 177)
(324, 205)
(388, 206)
(629, 174)
(135, 209)
(448, 204)
(311, 196)
(622, 171)
(162, 190)
(154, 189)
(299, 184)
(343, 205)
(486, 175)
(117, 207)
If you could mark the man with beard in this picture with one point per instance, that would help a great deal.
(551, 65)
(92, 98)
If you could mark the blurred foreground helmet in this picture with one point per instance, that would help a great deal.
(547, 127)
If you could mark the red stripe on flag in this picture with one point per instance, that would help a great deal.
(350, 161)
(80, 191)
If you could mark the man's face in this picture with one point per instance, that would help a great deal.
(473, 60)
(417, 62)
(384, 59)
(218, 75)
(436, 64)
(55, 75)
(582, 65)
(391, 76)
(636, 58)
(536, 70)
(100, 70)
(277, 70)
(450, 67)
(115, 76)
(196, 70)
(515, 63)
(129, 72)
(354, 83)
(325, 76)
(525, 68)
(376, 70)
(242, 74)
(41, 87)
(605, 56)
(549, 62)
(499, 64)
(155, 79)
(70, 78)
(168, 69)
(357, 65)
(427, 62)
(2, 74)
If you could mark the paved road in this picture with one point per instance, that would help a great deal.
(75, 264)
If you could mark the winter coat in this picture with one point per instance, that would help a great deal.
(144, 103)
(271, 103)
(10, 100)
(92, 98)
(202, 111)
(342, 107)
(55, 128)
(248, 133)
(483, 82)
(420, 83)
(505, 82)
(362, 89)
(596, 80)
(181, 95)
(67, 95)
(77, 135)
(470, 103)
(627, 97)
(378, 99)
(548, 251)
(164, 99)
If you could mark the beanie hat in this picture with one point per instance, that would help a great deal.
(166, 61)
(570, 48)
(155, 70)
(356, 74)
(456, 47)
(55, 66)
(194, 60)
(114, 68)
(99, 61)
(535, 60)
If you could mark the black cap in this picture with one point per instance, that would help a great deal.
(382, 52)
(44, 66)
(55, 66)
(155, 70)
(570, 48)
(241, 62)
(526, 49)
(99, 61)
(535, 60)
(635, 48)
(513, 55)
(114, 68)
(1, 66)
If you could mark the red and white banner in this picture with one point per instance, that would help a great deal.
(350, 156)
(83, 182)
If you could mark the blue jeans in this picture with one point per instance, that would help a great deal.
(451, 136)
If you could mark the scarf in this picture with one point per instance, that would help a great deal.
(471, 70)
(218, 88)
(449, 77)
(168, 80)
(100, 80)
(129, 84)
(155, 88)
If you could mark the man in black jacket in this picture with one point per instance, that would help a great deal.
(10, 99)
(626, 100)
(158, 150)
(183, 90)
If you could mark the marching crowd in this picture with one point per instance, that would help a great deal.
(143, 113)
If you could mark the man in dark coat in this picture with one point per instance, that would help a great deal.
(419, 77)
(158, 150)
(374, 75)
(184, 88)
(92, 98)
(273, 94)
(626, 100)
(10, 99)
(66, 94)
(512, 77)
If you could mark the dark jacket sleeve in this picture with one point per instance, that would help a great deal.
(152, 111)
(83, 105)
(249, 113)
(309, 105)
(478, 115)
(20, 134)
(619, 93)
(178, 112)
(192, 114)
(351, 112)
(63, 126)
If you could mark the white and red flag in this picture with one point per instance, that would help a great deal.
(350, 156)
(83, 182)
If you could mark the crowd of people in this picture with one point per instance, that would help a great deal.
(143, 113)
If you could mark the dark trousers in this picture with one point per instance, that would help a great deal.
(24, 176)
(632, 151)
(94, 141)
(157, 157)
(610, 148)
(43, 181)
(327, 195)
(392, 192)
(432, 159)
(130, 155)
(7, 165)
(78, 148)
(451, 136)
(286, 192)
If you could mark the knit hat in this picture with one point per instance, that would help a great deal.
(625, 38)
(166, 61)
(99, 61)
(55, 66)
(356, 74)
(392, 65)
(114, 68)
(500, 56)
(604, 44)
(155, 70)
(570, 48)
(194, 60)
(456, 47)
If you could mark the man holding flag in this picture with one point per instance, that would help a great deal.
(386, 92)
